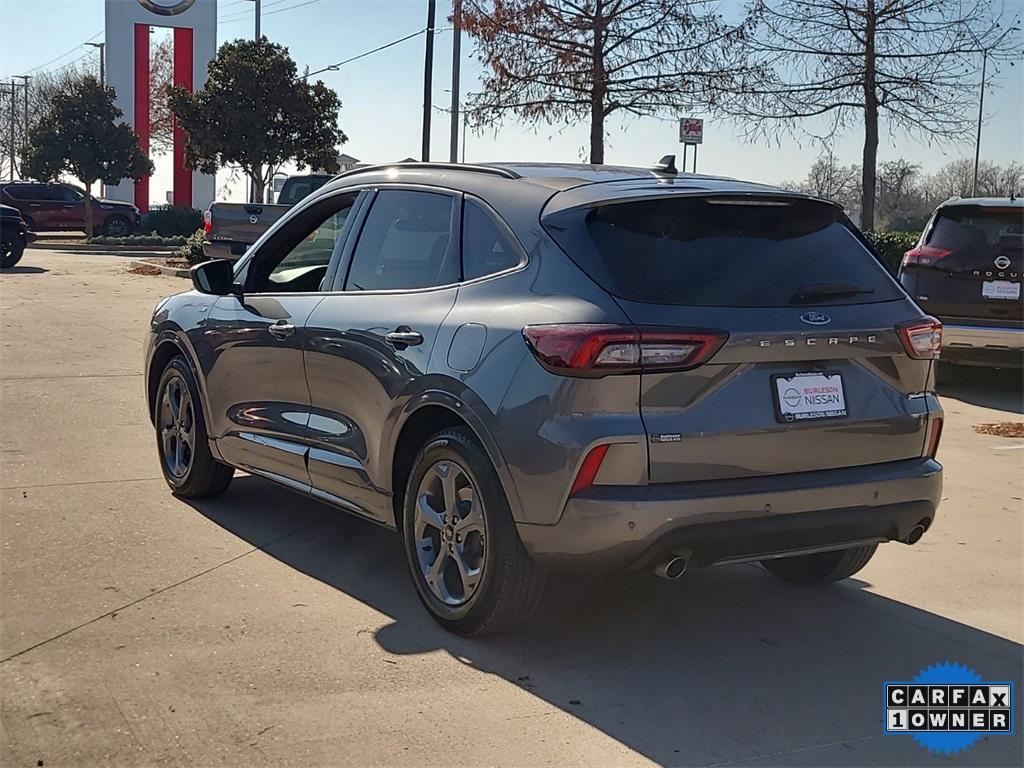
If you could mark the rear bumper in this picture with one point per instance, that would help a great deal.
(983, 345)
(632, 527)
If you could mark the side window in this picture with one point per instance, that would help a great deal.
(296, 258)
(70, 194)
(406, 243)
(487, 246)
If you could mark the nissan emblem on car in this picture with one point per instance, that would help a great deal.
(1002, 261)
(816, 318)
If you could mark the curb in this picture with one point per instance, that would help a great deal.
(110, 250)
(164, 270)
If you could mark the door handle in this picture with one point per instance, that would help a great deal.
(404, 336)
(281, 330)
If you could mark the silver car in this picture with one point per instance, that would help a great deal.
(526, 368)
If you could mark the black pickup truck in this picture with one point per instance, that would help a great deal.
(232, 227)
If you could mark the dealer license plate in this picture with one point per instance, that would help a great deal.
(807, 396)
(1000, 289)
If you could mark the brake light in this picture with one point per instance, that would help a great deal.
(922, 338)
(924, 255)
(934, 435)
(589, 469)
(599, 350)
(207, 221)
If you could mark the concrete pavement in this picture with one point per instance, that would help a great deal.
(264, 629)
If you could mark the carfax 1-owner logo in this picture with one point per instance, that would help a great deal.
(948, 707)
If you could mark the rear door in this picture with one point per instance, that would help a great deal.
(813, 374)
(42, 203)
(369, 342)
(970, 264)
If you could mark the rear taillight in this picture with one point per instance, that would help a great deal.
(600, 350)
(934, 435)
(924, 255)
(922, 338)
(207, 221)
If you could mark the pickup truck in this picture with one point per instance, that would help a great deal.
(232, 227)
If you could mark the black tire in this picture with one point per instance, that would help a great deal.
(821, 567)
(204, 476)
(117, 226)
(12, 248)
(511, 584)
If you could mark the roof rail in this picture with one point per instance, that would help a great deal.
(493, 170)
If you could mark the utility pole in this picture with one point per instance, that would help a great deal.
(256, 190)
(428, 66)
(14, 109)
(103, 69)
(453, 154)
(24, 126)
(981, 107)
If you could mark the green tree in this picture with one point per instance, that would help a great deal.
(257, 113)
(80, 135)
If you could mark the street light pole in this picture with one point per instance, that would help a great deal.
(103, 73)
(981, 108)
(428, 66)
(256, 190)
(24, 126)
(14, 140)
(453, 154)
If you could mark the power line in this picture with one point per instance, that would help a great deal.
(247, 14)
(410, 36)
(66, 53)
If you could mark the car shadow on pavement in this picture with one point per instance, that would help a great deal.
(724, 666)
(26, 270)
(999, 388)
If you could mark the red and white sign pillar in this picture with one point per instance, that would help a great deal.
(128, 24)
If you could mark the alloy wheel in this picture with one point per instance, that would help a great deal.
(177, 427)
(450, 533)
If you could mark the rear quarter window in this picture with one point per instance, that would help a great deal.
(711, 251)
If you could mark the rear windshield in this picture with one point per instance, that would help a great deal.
(979, 232)
(296, 188)
(709, 251)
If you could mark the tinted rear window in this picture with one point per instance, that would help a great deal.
(979, 233)
(708, 251)
(297, 188)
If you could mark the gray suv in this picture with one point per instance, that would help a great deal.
(526, 368)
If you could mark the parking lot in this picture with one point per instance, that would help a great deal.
(264, 629)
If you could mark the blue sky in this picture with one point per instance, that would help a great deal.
(382, 93)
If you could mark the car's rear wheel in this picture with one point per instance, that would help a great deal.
(469, 567)
(12, 247)
(117, 226)
(182, 442)
(821, 567)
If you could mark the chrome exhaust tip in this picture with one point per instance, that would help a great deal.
(673, 566)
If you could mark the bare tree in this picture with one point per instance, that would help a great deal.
(901, 203)
(830, 180)
(915, 62)
(563, 61)
(955, 180)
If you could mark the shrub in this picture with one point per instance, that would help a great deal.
(136, 240)
(192, 249)
(892, 245)
(172, 221)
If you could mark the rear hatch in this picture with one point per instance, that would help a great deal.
(813, 374)
(970, 264)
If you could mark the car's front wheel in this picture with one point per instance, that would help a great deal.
(117, 226)
(821, 567)
(12, 247)
(467, 562)
(181, 438)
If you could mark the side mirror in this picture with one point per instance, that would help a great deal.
(216, 277)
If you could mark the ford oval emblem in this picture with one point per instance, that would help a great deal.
(816, 318)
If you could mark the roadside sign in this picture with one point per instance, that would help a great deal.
(691, 130)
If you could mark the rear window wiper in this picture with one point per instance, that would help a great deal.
(815, 291)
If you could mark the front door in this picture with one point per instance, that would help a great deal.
(370, 340)
(251, 346)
